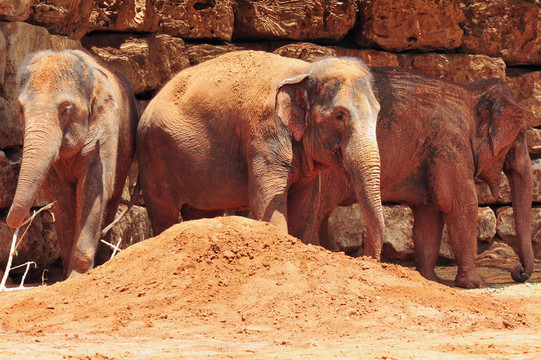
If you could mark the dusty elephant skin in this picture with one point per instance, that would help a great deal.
(80, 120)
(237, 132)
(434, 138)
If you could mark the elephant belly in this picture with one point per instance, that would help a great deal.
(214, 188)
(410, 190)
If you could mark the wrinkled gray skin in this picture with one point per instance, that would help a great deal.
(80, 120)
(238, 131)
(434, 138)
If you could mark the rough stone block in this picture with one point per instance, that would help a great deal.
(132, 228)
(310, 52)
(533, 137)
(21, 40)
(294, 20)
(505, 228)
(136, 57)
(203, 52)
(59, 43)
(8, 182)
(461, 68)
(15, 10)
(504, 197)
(11, 128)
(425, 25)
(503, 28)
(63, 17)
(369, 56)
(346, 231)
(196, 19)
(40, 244)
(3, 57)
(124, 15)
(526, 87)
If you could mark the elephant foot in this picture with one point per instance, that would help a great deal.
(73, 274)
(471, 280)
(430, 274)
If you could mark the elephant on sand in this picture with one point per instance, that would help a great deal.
(80, 120)
(239, 131)
(435, 137)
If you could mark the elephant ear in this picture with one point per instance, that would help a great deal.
(101, 97)
(292, 104)
(508, 119)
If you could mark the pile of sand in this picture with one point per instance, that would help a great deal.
(242, 275)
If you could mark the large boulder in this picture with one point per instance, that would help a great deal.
(124, 15)
(461, 68)
(18, 39)
(318, 20)
(526, 86)
(63, 17)
(8, 182)
(505, 227)
(310, 52)
(425, 25)
(132, 228)
(3, 57)
(15, 10)
(533, 137)
(135, 56)
(196, 19)
(347, 230)
(484, 195)
(198, 53)
(510, 29)
(40, 244)
(59, 43)
(11, 127)
(21, 40)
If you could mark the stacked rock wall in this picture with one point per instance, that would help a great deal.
(151, 40)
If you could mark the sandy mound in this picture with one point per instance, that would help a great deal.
(242, 275)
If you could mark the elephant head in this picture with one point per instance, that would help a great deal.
(56, 103)
(500, 143)
(332, 111)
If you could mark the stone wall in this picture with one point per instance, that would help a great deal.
(151, 40)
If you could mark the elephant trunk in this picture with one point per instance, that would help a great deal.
(361, 160)
(41, 147)
(520, 180)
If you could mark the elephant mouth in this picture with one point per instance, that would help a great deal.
(336, 155)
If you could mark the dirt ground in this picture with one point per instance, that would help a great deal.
(236, 288)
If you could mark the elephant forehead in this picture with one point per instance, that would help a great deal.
(54, 72)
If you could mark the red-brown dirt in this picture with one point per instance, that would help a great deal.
(233, 287)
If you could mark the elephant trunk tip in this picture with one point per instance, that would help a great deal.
(519, 274)
(15, 218)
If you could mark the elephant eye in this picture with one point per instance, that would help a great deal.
(341, 115)
(65, 109)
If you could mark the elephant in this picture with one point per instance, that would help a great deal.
(238, 131)
(435, 137)
(80, 120)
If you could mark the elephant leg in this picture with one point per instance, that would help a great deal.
(456, 198)
(63, 194)
(303, 212)
(190, 213)
(268, 192)
(104, 251)
(162, 207)
(91, 200)
(462, 230)
(272, 209)
(427, 229)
